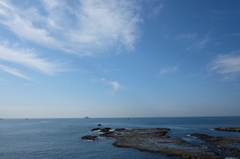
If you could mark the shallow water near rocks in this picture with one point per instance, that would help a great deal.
(61, 138)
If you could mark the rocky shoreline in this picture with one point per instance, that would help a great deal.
(220, 142)
(236, 129)
(156, 140)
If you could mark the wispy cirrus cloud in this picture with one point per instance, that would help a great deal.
(103, 24)
(168, 70)
(153, 7)
(13, 71)
(25, 24)
(226, 65)
(82, 26)
(236, 34)
(199, 44)
(188, 36)
(156, 10)
(29, 59)
(194, 41)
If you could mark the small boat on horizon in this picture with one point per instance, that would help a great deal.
(86, 117)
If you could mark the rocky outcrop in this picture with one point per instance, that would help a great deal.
(89, 137)
(223, 143)
(155, 140)
(237, 129)
(120, 129)
(105, 130)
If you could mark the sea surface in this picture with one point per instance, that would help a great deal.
(61, 138)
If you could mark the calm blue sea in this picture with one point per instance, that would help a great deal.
(60, 138)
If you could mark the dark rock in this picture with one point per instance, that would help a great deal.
(223, 143)
(120, 129)
(105, 129)
(163, 129)
(99, 125)
(103, 135)
(101, 129)
(237, 129)
(96, 129)
(220, 140)
(230, 149)
(89, 137)
(107, 134)
(154, 140)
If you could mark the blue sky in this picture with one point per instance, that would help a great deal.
(110, 58)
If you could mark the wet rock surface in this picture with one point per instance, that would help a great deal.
(89, 137)
(155, 140)
(237, 129)
(228, 144)
(105, 130)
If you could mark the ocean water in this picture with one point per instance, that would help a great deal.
(61, 138)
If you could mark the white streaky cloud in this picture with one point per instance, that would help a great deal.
(103, 23)
(199, 44)
(168, 70)
(194, 41)
(226, 65)
(24, 24)
(29, 59)
(188, 36)
(24, 29)
(157, 9)
(153, 8)
(56, 19)
(82, 26)
(13, 71)
(51, 4)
